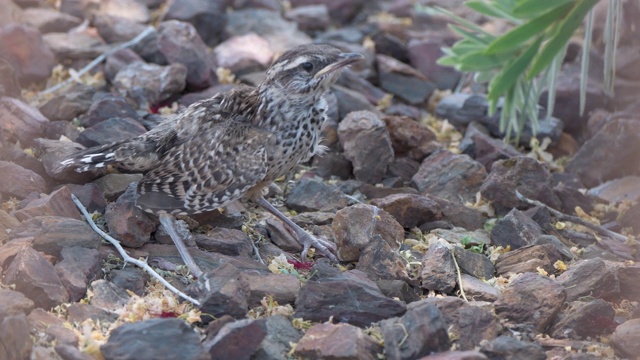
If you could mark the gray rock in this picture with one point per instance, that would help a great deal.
(150, 84)
(515, 230)
(222, 291)
(438, 269)
(77, 268)
(310, 195)
(506, 347)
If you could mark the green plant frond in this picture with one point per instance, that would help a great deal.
(512, 72)
(611, 38)
(493, 9)
(460, 20)
(470, 36)
(584, 62)
(479, 62)
(561, 36)
(527, 9)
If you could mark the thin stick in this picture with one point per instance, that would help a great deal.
(127, 258)
(455, 262)
(573, 219)
(97, 61)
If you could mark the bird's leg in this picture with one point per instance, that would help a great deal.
(170, 226)
(305, 239)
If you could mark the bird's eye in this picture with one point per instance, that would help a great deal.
(307, 66)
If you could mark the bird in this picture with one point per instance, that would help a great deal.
(231, 146)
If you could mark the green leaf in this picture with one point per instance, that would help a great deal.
(508, 77)
(479, 62)
(468, 35)
(519, 35)
(492, 9)
(528, 9)
(561, 36)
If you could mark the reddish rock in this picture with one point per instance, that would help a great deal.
(74, 45)
(403, 81)
(283, 288)
(14, 303)
(58, 203)
(339, 341)
(310, 18)
(507, 347)
(25, 50)
(478, 290)
(51, 234)
(108, 296)
(55, 151)
(20, 122)
(222, 291)
(473, 263)
(126, 222)
(379, 261)
(424, 54)
(16, 181)
(410, 210)
(584, 320)
(456, 355)
(310, 195)
(410, 138)
(438, 269)
(150, 84)
(590, 277)
(49, 20)
(16, 340)
(341, 11)
(484, 148)
(625, 339)
(528, 259)
(78, 266)
(110, 130)
(207, 17)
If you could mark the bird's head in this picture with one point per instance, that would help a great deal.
(309, 69)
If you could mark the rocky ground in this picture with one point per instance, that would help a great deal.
(440, 258)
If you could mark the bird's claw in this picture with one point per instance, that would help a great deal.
(322, 246)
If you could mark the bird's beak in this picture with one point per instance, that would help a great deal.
(344, 59)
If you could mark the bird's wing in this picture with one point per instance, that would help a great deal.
(207, 171)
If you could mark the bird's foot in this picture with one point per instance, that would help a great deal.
(322, 246)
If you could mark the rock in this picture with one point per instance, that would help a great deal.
(332, 165)
(7, 223)
(453, 177)
(77, 268)
(35, 277)
(128, 9)
(529, 258)
(379, 261)
(118, 61)
(24, 48)
(58, 203)
(310, 18)
(390, 43)
(242, 53)
(403, 81)
(423, 55)
(456, 355)
(128, 223)
(90, 196)
(222, 291)
(459, 215)
(478, 290)
(283, 288)
(55, 151)
(156, 338)
(110, 130)
(340, 11)
(349, 101)
(79, 312)
(224, 241)
(528, 176)
(366, 144)
(113, 186)
(310, 195)
(420, 331)
(459, 235)
(108, 107)
(531, 299)
(410, 138)
(347, 297)
(132, 279)
(79, 8)
(70, 104)
(625, 339)
(16, 340)
(631, 218)
(108, 296)
(355, 226)
(49, 20)
(398, 289)
(628, 275)
(404, 168)
(615, 191)
(14, 303)
(180, 43)
(590, 277)
(483, 148)
(339, 341)
(506, 347)
(620, 138)
(516, 230)
(71, 352)
(150, 84)
(473, 263)
(438, 269)
(19, 122)
(117, 29)
(585, 320)
(69, 46)
(16, 181)
(207, 17)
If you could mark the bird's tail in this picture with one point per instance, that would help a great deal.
(93, 158)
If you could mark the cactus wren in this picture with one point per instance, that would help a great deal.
(231, 146)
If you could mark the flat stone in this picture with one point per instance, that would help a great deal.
(128, 9)
(474, 264)
(506, 347)
(52, 234)
(528, 259)
(310, 18)
(108, 296)
(71, 352)
(459, 235)
(410, 210)
(531, 299)
(617, 190)
(515, 230)
(355, 226)
(348, 297)
(590, 277)
(222, 291)
(399, 289)
(584, 320)
(117, 29)
(484, 148)
(16, 181)
(58, 203)
(478, 290)
(77, 268)
(49, 20)
(15, 338)
(108, 107)
(225, 241)
(150, 84)
(310, 195)
(438, 269)
(625, 338)
(348, 101)
(628, 275)
(403, 81)
(74, 45)
(284, 288)
(340, 11)
(410, 138)
(35, 277)
(337, 341)
(20, 122)
(128, 223)
(25, 50)
(14, 303)
(90, 196)
(113, 186)
(156, 338)
(110, 130)
(424, 54)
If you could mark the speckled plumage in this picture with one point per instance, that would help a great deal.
(232, 145)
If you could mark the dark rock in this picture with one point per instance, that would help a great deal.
(244, 53)
(526, 175)
(585, 319)
(111, 130)
(10, 84)
(15, 338)
(58, 203)
(77, 268)
(410, 138)
(79, 8)
(464, 237)
(117, 29)
(71, 46)
(438, 269)
(483, 148)
(108, 107)
(281, 236)
(52, 234)
(349, 101)
(340, 11)
(150, 84)
(279, 33)
(130, 278)
(225, 241)
(222, 291)
(515, 230)
(155, 338)
(424, 54)
(404, 168)
(113, 186)
(509, 348)
(456, 355)
(71, 352)
(631, 218)
(283, 288)
(389, 43)
(529, 258)
(90, 196)
(332, 164)
(570, 198)
(14, 303)
(128, 223)
(49, 20)
(625, 339)
(478, 290)
(59, 129)
(20, 122)
(16, 181)
(118, 61)
(35, 277)
(590, 277)
(419, 332)
(79, 312)
(628, 275)
(356, 225)
(207, 17)
(180, 43)
(22, 46)
(309, 195)
(564, 251)
(403, 81)
(459, 215)
(609, 154)
(347, 297)
(379, 261)
(310, 18)
(449, 176)
(337, 341)
(473, 263)
(108, 296)
(366, 144)
(531, 299)
(398, 289)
